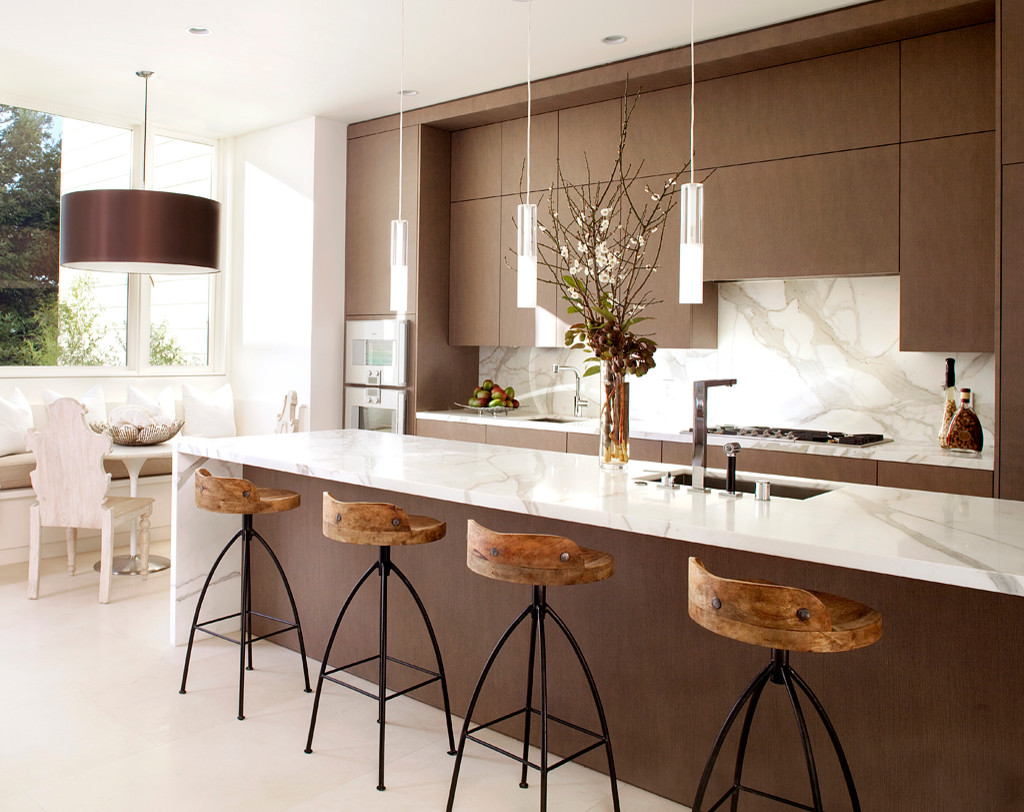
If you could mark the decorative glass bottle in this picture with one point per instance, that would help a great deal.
(950, 401)
(614, 428)
(965, 428)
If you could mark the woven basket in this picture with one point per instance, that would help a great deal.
(139, 435)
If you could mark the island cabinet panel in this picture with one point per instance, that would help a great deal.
(539, 439)
(589, 134)
(441, 430)
(543, 154)
(947, 83)
(474, 272)
(476, 162)
(1011, 74)
(934, 478)
(840, 102)
(373, 182)
(639, 449)
(947, 250)
(824, 215)
(544, 326)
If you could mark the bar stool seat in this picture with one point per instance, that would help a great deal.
(240, 496)
(782, 619)
(383, 526)
(541, 561)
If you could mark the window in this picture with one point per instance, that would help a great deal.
(51, 316)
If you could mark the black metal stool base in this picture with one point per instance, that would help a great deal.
(246, 613)
(384, 567)
(779, 672)
(538, 611)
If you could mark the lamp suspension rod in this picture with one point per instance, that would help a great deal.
(401, 112)
(529, 91)
(692, 2)
(145, 74)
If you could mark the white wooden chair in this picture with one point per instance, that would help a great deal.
(71, 492)
(287, 421)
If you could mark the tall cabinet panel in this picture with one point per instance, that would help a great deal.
(947, 252)
(373, 182)
(475, 257)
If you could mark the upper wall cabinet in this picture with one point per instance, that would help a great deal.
(948, 83)
(839, 102)
(588, 136)
(1011, 51)
(947, 250)
(373, 182)
(474, 282)
(476, 162)
(835, 214)
(543, 154)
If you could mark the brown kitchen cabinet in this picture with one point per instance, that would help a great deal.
(835, 214)
(939, 478)
(474, 275)
(543, 154)
(538, 439)
(443, 430)
(373, 181)
(588, 136)
(639, 449)
(947, 249)
(476, 162)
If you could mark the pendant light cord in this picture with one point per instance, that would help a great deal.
(145, 125)
(692, 3)
(401, 114)
(529, 91)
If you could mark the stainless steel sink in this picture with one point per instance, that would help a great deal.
(778, 489)
(556, 419)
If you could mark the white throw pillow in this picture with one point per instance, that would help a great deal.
(208, 415)
(93, 401)
(15, 421)
(162, 405)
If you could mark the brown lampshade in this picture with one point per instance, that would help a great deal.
(139, 231)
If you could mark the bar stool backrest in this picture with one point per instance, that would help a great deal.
(524, 558)
(739, 609)
(221, 494)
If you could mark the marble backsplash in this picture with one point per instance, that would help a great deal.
(816, 353)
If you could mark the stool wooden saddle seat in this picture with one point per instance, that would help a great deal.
(240, 496)
(782, 619)
(383, 526)
(541, 561)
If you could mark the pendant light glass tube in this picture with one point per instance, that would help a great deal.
(691, 213)
(400, 228)
(526, 248)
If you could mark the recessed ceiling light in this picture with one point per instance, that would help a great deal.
(408, 92)
(199, 31)
(613, 39)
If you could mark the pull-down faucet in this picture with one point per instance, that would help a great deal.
(700, 428)
(578, 402)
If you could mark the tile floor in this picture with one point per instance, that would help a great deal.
(91, 719)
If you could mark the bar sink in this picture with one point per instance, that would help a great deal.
(781, 490)
(556, 419)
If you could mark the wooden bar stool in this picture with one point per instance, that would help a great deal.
(782, 619)
(227, 495)
(541, 561)
(383, 526)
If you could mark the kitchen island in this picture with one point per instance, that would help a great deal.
(936, 699)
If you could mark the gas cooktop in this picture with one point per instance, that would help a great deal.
(799, 435)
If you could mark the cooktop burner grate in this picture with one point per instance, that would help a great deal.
(799, 435)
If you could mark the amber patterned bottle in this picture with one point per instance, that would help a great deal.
(950, 399)
(965, 428)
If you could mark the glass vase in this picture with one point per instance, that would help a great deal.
(614, 430)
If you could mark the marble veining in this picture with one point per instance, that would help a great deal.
(816, 353)
(960, 540)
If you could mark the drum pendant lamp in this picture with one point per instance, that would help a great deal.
(139, 230)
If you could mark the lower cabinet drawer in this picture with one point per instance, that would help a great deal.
(538, 439)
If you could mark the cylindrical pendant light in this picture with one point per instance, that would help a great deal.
(526, 249)
(137, 230)
(691, 223)
(400, 228)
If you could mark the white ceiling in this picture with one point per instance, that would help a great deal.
(272, 61)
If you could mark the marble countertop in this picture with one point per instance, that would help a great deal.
(896, 451)
(965, 541)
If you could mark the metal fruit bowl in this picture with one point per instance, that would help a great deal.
(139, 435)
(491, 410)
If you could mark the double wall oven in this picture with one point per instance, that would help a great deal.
(376, 374)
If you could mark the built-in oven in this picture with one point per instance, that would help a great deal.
(373, 408)
(377, 352)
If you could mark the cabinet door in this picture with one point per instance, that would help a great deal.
(476, 162)
(589, 136)
(372, 194)
(474, 279)
(947, 244)
(545, 325)
(823, 215)
(543, 154)
(537, 439)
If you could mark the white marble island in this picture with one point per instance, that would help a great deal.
(915, 709)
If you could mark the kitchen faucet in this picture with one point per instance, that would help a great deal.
(700, 428)
(578, 402)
